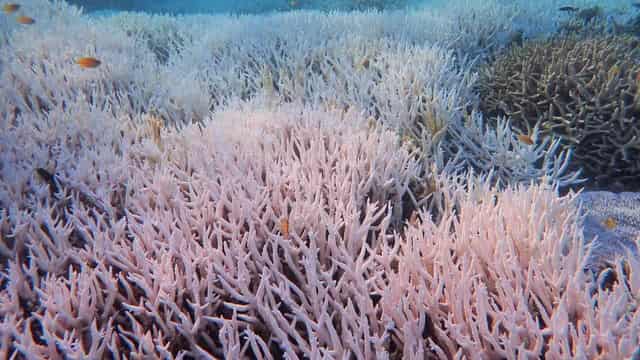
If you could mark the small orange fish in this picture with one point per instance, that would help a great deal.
(363, 64)
(284, 227)
(526, 139)
(413, 219)
(155, 125)
(88, 62)
(10, 8)
(25, 20)
(610, 223)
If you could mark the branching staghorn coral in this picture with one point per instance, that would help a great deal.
(447, 287)
(497, 152)
(166, 56)
(211, 68)
(162, 240)
(329, 204)
(160, 33)
(42, 74)
(307, 67)
(221, 278)
(82, 145)
(357, 72)
(583, 91)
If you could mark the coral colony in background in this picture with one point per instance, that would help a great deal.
(354, 180)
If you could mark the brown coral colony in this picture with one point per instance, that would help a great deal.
(586, 91)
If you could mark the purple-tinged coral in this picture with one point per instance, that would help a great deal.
(126, 230)
(198, 265)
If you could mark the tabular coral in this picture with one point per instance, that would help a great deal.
(584, 91)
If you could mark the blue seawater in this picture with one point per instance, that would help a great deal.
(235, 7)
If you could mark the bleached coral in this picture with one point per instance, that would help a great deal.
(227, 201)
(498, 151)
(39, 73)
(200, 266)
(501, 285)
(214, 205)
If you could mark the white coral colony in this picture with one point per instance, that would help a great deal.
(305, 184)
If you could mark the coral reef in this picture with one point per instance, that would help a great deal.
(223, 278)
(497, 152)
(80, 257)
(584, 91)
(161, 33)
(596, 20)
(296, 185)
(420, 90)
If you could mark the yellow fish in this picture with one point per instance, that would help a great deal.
(610, 223)
(10, 8)
(363, 64)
